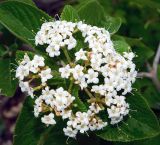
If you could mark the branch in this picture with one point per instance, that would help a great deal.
(156, 59)
(152, 70)
(144, 74)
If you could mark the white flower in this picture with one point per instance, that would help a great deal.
(92, 76)
(108, 100)
(82, 82)
(21, 72)
(129, 55)
(119, 100)
(71, 43)
(47, 95)
(53, 50)
(116, 120)
(113, 112)
(26, 88)
(62, 99)
(37, 110)
(45, 75)
(97, 124)
(78, 71)
(95, 108)
(83, 122)
(99, 89)
(82, 117)
(66, 114)
(38, 106)
(38, 61)
(69, 131)
(80, 55)
(96, 61)
(25, 60)
(109, 85)
(65, 71)
(48, 119)
(39, 38)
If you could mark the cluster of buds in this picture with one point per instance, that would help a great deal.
(103, 75)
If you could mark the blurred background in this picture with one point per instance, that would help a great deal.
(140, 24)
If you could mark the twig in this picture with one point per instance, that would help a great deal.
(88, 93)
(156, 59)
(66, 55)
(70, 85)
(152, 70)
(144, 74)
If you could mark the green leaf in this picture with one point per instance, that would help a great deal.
(92, 12)
(146, 3)
(27, 2)
(21, 19)
(142, 51)
(151, 141)
(7, 84)
(31, 131)
(141, 124)
(2, 50)
(81, 106)
(28, 128)
(149, 91)
(112, 24)
(69, 14)
(56, 137)
(20, 55)
(140, 48)
(121, 46)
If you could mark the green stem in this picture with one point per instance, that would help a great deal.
(70, 85)
(97, 100)
(38, 88)
(88, 93)
(66, 55)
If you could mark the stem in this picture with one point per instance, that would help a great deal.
(152, 70)
(33, 77)
(70, 85)
(156, 59)
(66, 55)
(97, 100)
(38, 88)
(45, 108)
(88, 93)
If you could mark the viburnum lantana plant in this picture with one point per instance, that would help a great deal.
(79, 77)
(103, 75)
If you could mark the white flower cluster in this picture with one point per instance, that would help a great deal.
(101, 73)
(60, 102)
(53, 100)
(84, 121)
(57, 102)
(56, 34)
(117, 72)
(118, 108)
(29, 69)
